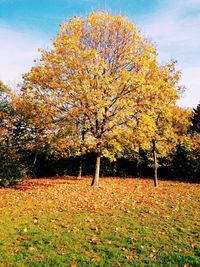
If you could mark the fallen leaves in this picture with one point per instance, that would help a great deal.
(22, 238)
(63, 194)
(96, 260)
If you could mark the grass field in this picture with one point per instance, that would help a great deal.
(124, 222)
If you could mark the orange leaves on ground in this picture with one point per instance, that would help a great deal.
(64, 194)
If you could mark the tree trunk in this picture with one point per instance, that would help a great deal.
(80, 168)
(35, 159)
(155, 164)
(81, 156)
(95, 181)
(138, 166)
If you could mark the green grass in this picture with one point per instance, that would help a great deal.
(102, 239)
(140, 235)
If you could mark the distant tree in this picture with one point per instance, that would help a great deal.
(195, 127)
(184, 159)
(12, 128)
(4, 88)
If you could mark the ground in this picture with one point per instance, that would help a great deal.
(125, 222)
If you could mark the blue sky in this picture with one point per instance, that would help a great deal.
(174, 26)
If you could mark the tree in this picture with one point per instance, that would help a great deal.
(195, 127)
(4, 104)
(4, 88)
(195, 136)
(98, 69)
(151, 125)
(12, 133)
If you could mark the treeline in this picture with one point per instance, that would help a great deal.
(182, 165)
(21, 156)
(99, 102)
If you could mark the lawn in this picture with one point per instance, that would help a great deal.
(124, 222)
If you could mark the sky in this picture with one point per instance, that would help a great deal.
(173, 27)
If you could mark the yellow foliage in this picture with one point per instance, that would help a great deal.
(102, 75)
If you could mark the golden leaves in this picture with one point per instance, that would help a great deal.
(67, 194)
(101, 69)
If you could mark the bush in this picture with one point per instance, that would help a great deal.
(12, 170)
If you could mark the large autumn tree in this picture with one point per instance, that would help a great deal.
(97, 74)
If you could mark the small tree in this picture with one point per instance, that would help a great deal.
(151, 125)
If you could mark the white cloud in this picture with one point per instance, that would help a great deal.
(175, 27)
(175, 35)
(17, 52)
(191, 79)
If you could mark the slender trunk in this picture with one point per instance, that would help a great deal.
(138, 166)
(81, 157)
(35, 159)
(95, 181)
(155, 164)
(80, 168)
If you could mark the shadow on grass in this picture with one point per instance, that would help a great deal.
(30, 183)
